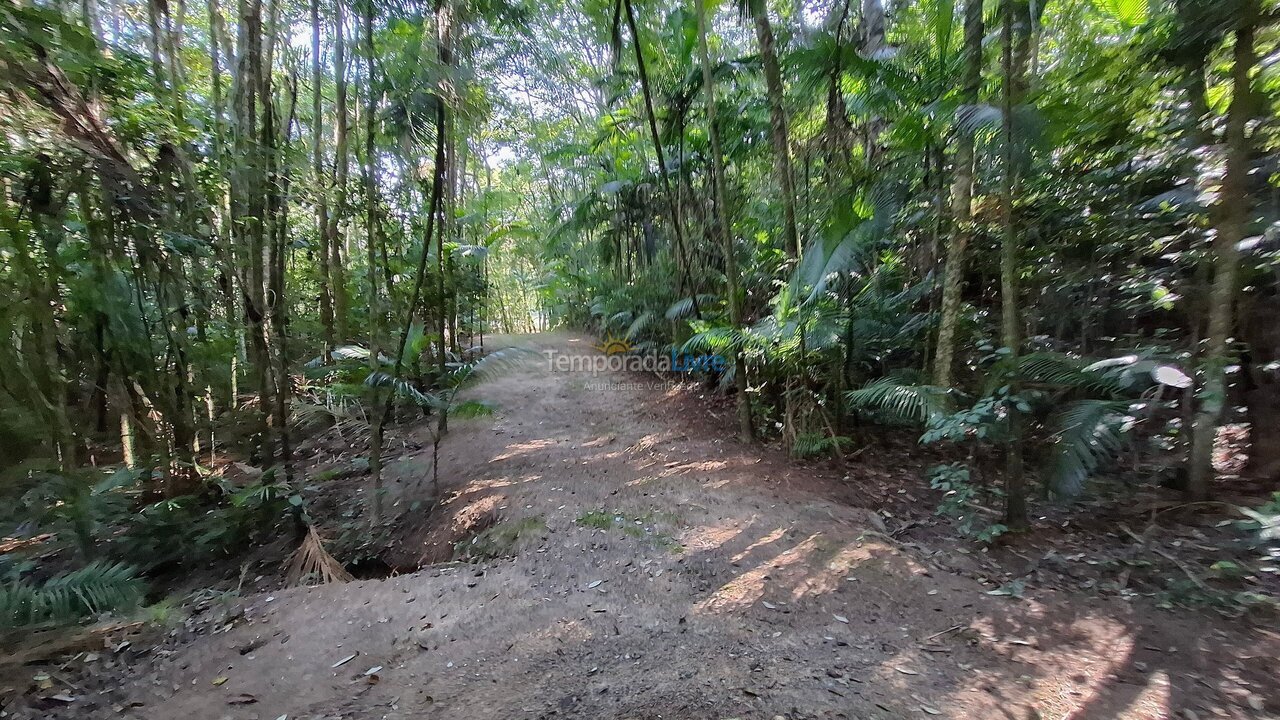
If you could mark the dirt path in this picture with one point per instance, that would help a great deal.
(661, 570)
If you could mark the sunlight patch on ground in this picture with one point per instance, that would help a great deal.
(749, 587)
(468, 515)
(710, 537)
(476, 485)
(832, 572)
(516, 450)
(1072, 685)
(649, 442)
(772, 537)
(606, 457)
(704, 466)
(643, 480)
(672, 392)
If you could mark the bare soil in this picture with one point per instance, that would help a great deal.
(650, 566)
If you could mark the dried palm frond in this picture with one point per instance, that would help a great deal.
(312, 563)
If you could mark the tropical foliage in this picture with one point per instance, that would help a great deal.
(1042, 229)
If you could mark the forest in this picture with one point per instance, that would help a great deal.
(256, 256)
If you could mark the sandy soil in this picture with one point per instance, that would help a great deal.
(662, 570)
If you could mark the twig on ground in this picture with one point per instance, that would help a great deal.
(1195, 579)
(940, 633)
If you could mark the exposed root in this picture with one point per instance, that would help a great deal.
(311, 562)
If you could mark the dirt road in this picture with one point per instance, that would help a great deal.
(659, 569)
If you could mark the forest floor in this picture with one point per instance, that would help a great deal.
(647, 565)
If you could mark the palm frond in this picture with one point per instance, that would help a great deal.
(919, 403)
(402, 387)
(720, 339)
(638, 326)
(1087, 433)
(1067, 372)
(94, 589)
(498, 362)
(683, 307)
(312, 563)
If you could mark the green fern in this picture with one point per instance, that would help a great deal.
(638, 326)
(810, 444)
(92, 590)
(1067, 372)
(919, 403)
(718, 339)
(683, 308)
(1087, 433)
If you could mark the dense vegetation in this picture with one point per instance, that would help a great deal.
(1043, 231)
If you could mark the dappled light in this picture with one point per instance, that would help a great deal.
(639, 359)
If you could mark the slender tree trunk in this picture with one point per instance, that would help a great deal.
(444, 39)
(657, 149)
(961, 200)
(224, 247)
(873, 27)
(279, 305)
(341, 165)
(48, 378)
(1015, 480)
(433, 210)
(318, 177)
(369, 168)
(1232, 216)
(778, 134)
(745, 429)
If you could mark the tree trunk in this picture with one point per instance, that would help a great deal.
(341, 165)
(657, 149)
(873, 27)
(318, 177)
(778, 134)
(369, 167)
(961, 200)
(1015, 481)
(1232, 215)
(279, 326)
(444, 38)
(745, 429)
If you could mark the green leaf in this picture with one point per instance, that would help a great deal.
(1130, 13)
(1087, 433)
(921, 403)
(944, 20)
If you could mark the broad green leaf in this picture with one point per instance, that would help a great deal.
(1130, 13)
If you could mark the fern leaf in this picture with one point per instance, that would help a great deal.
(92, 590)
(1087, 433)
(919, 403)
